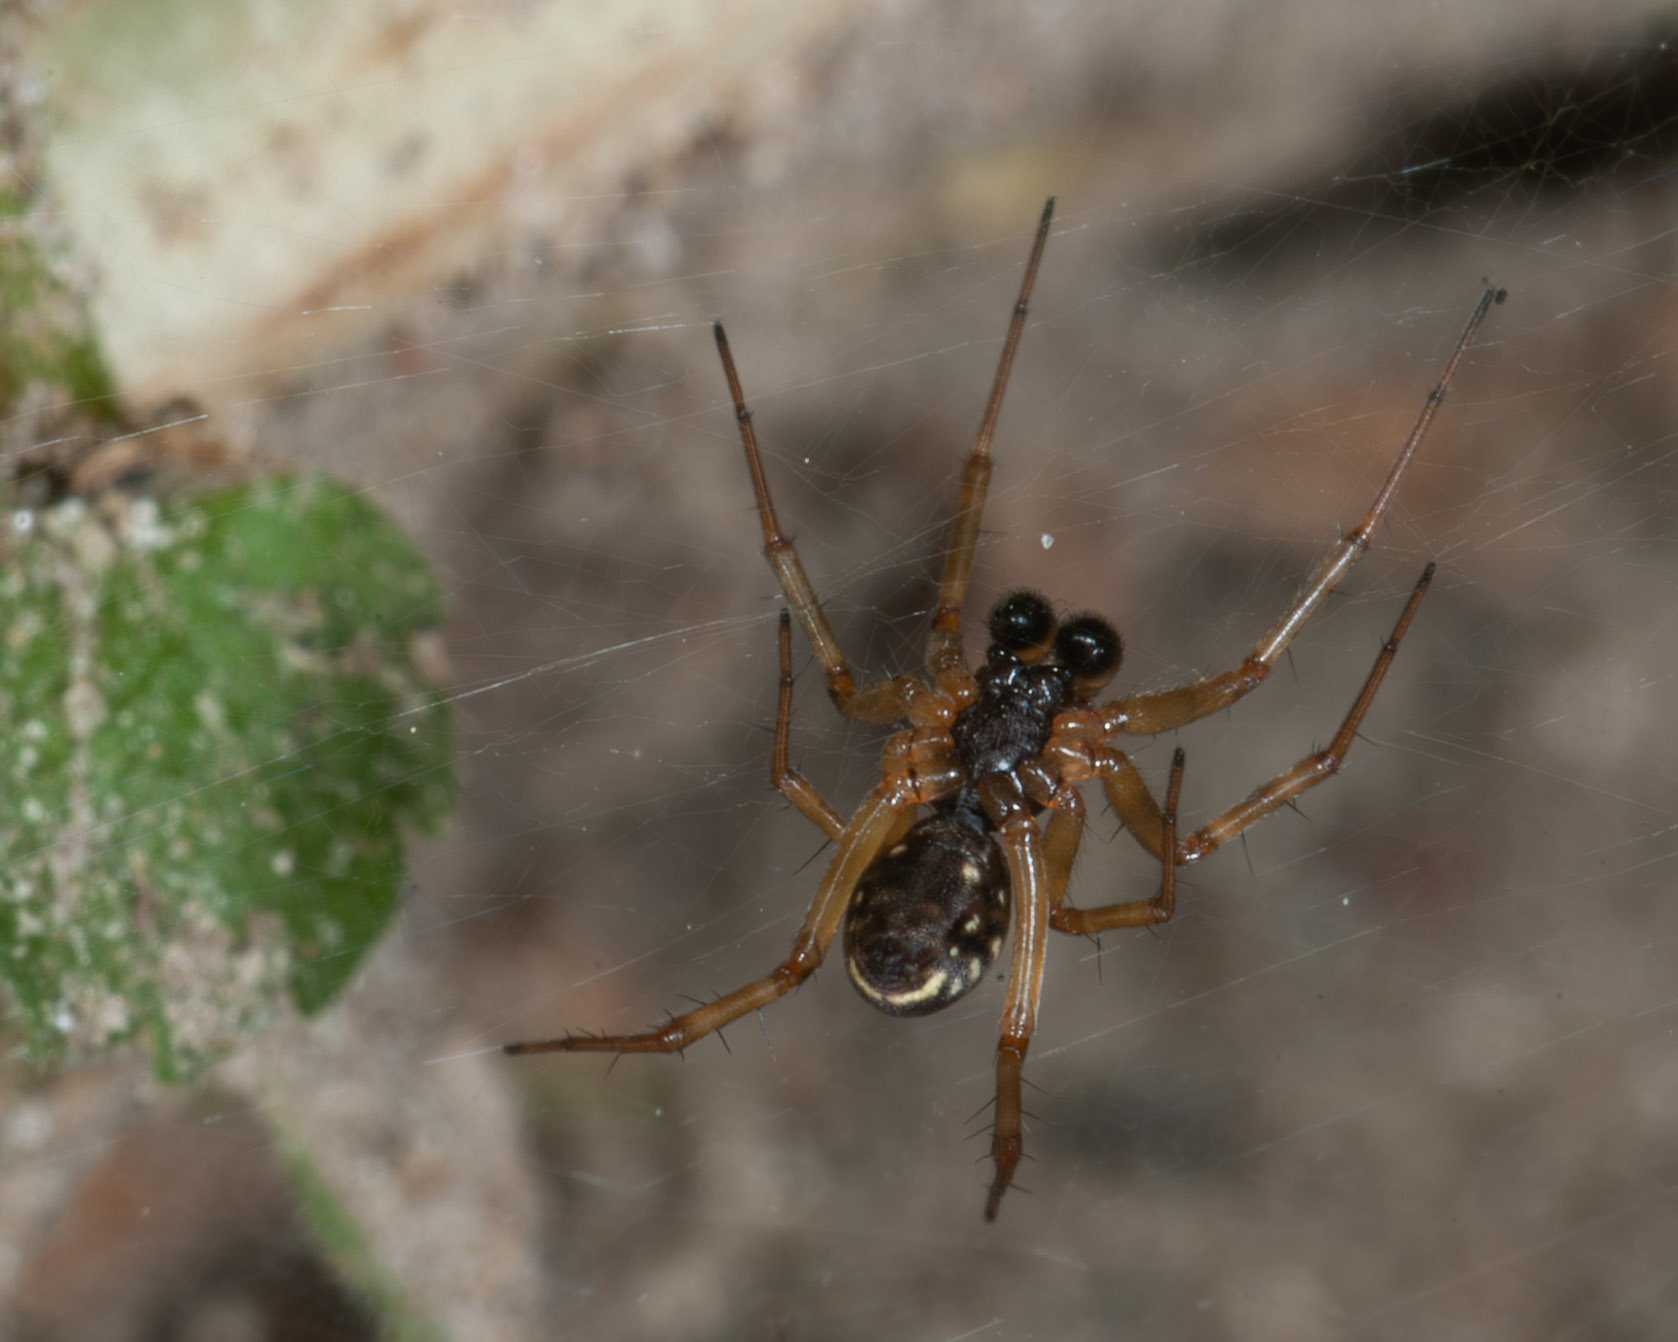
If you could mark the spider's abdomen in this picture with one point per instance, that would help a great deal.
(929, 915)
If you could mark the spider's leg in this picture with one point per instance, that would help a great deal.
(877, 701)
(1314, 768)
(1130, 798)
(1145, 714)
(792, 784)
(1028, 874)
(873, 826)
(943, 654)
(1060, 842)
(1135, 912)
(1131, 801)
(1038, 868)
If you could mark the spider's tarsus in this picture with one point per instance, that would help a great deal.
(993, 1204)
(559, 1045)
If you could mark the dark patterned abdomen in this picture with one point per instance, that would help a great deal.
(929, 915)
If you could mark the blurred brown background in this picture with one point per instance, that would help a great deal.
(1401, 1068)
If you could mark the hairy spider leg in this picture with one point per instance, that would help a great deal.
(1135, 806)
(1146, 714)
(944, 656)
(877, 701)
(793, 785)
(788, 781)
(1038, 869)
(1315, 767)
(873, 826)
(889, 699)
(1022, 844)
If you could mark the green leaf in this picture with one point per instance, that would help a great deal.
(217, 734)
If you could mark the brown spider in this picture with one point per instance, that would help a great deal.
(925, 902)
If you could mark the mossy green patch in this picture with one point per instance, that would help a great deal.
(218, 733)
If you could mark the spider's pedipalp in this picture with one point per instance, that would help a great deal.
(1023, 623)
(1090, 649)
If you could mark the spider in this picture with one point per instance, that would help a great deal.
(926, 902)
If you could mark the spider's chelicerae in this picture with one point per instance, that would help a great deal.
(926, 902)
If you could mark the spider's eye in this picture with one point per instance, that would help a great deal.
(1090, 649)
(1023, 623)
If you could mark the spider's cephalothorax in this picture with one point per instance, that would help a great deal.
(1033, 670)
(998, 756)
(929, 915)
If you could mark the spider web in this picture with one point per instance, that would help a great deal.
(1403, 1064)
